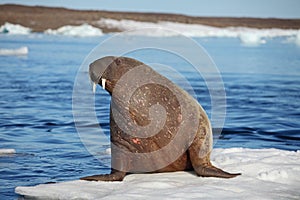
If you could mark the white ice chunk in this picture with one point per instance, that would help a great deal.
(266, 174)
(108, 151)
(17, 29)
(7, 151)
(297, 40)
(251, 39)
(192, 30)
(14, 52)
(84, 30)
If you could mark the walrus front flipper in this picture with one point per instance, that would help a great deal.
(212, 171)
(113, 176)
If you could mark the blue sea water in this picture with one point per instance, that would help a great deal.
(262, 85)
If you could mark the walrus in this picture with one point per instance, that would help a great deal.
(155, 126)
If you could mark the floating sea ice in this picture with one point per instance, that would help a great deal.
(7, 151)
(297, 39)
(251, 39)
(14, 52)
(249, 36)
(17, 29)
(84, 30)
(108, 151)
(294, 39)
(266, 174)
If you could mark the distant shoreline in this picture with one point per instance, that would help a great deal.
(40, 18)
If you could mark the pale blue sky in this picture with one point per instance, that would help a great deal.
(235, 8)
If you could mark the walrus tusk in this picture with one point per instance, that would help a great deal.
(94, 87)
(103, 83)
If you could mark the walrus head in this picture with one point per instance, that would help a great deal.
(108, 70)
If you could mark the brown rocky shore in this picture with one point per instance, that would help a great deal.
(41, 18)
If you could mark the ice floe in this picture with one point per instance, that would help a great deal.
(294, 39)
(248, 36)
(250, 39)
(7, 151)
(195, 30)
(84, 30)
(15, 29)
(297, 39)
(266, 174)
(14, 52)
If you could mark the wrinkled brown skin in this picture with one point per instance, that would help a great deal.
(189, 160)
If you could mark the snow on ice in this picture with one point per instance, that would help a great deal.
(266, 174)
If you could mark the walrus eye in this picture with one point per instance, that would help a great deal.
(118, 61)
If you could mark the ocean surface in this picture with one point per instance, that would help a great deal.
(262, 85)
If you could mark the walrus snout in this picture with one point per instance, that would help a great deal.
(98, 67)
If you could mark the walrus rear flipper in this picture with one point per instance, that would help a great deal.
(212, 171)
(113, 176)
